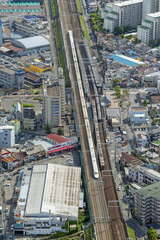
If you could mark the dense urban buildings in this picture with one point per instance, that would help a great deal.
(76, 105)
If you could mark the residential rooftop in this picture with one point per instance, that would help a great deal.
(157, 143)
(57, 193)
(126, 3)
(154, 15)
(150, 191)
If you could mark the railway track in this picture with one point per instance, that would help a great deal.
(116, 222)
(98, 197)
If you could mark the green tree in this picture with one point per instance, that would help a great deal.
(145, 103)
(116, 82)
(47, 128)
(152, 234)
(118, 91)
(60, 131)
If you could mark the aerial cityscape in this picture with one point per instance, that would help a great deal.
(79, 119)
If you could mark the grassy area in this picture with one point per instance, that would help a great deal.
(88, 234)
(131, 233)
(36, 91)
(38, 98)
(96, 21)
(79, 6)
(74, 229)
(54, 8)
(157, 142)
(84, 27)
(83, 216)
(71, 235)
(27, 105)
(59, 42)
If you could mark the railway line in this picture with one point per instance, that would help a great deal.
(99, 213)
(115, 216)
(102, 214)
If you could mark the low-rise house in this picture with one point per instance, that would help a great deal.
(141, 139)
(155, 99)
(156, 145)
(35, 152)
(154, 133)
(129, 160)
(10, 160)
(114, 116)
(141, 175)
(138, 115)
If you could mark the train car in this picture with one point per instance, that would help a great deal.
(97, 133)
(84, 107)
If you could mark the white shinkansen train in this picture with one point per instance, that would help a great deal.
(84, 108)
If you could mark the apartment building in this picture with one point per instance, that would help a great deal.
(122, 14)
(149, 31)
(141, 175)
(150, 6)
(147, 204)
(10, 78)
(23, 28)
(29, 118)
(52, 105)
(7, 77)
(7, 136)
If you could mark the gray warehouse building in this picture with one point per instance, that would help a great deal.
(49, 195)
(31, 42)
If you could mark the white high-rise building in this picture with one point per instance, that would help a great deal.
(122, 14)
(150, 6)
(149, 31)
(7, 136)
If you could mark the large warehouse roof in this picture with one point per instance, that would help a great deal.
(31, 42)
(57, 191)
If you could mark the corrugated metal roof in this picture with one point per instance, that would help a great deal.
(32, 42)
(56, 138)
(54, 189)
(36, 187)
